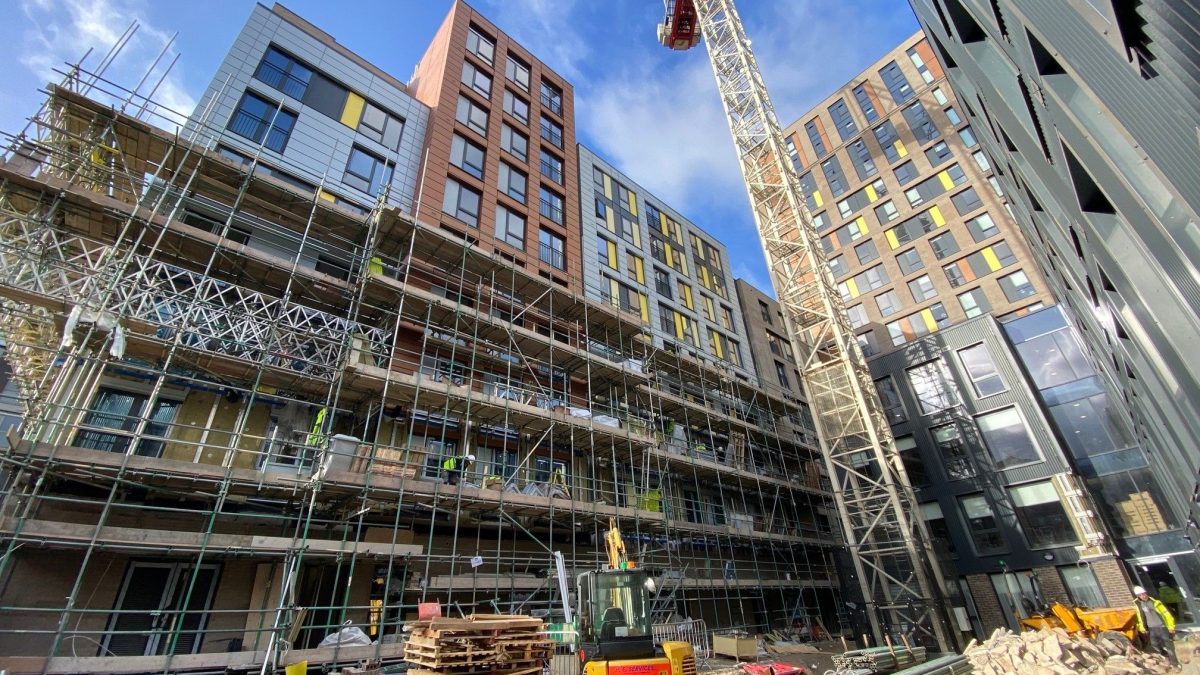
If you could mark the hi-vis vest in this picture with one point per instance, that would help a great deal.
(450, 463)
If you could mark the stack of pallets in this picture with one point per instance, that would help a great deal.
(483, 643)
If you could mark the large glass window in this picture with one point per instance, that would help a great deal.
(113, 417)
(512, 182)
(922, 288)
(974, 303)
(955, 455)
(476, 79)
(911, 457)
(1134, 502)
(1054, 358)
(1016, 286)
(977, 361)
(888, 303)
(550, 205)
(284, 73)
(461, 202)
(920, 123)
(261, 121)
(516, 106)
(551, 166)
(1082, 587)
(470, 114)
(896, 83)
(367, 172)
(982, 524)
(551, 131)
(893, 407)
(1008, 441)
(517, 73)
(466, 156)
(939, 533)
(840, 114)
(551, 97)
(865, 104)
(510, 227)
(480, 45)
(932, 386)
(1043, 519)
(550, 249)
(514, 142)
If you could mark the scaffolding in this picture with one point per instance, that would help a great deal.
(229, 452)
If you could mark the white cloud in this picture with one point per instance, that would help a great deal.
(62, 31)
(546, 28)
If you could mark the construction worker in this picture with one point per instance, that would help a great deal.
(1155, 621)
(1171, 597)
(453, 467)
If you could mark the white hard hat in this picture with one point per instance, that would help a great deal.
(1138, 590)
(470, 458)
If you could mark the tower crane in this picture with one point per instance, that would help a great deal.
(900, 581)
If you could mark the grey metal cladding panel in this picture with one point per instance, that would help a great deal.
(1144, 108)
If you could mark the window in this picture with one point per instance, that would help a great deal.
(981, 370)
(896, 83)
(888, 303)
(982, 227)
(943, 245)
(922, 288)
(551, 166)
(952, 115)
(866, 252)
(889, 398)
(461, 202)
(552, 98)
(866, 343)
(909, 261)
(1042, 517)
(932, 386)
(512, 182)
(261, 121)
(906, 446)
(980, 264)
(1007, 439)
(905, 173)
(510, 227)
(816, 136)
(838, 266)
(886, 212)
(922, 323)
(842, 120)
(857, 315)
(606, 252)
(113, 417)
(366, 172)
(889, 142)
(920, 123)
(833, 173)
(551, 131)
(935, 186)
(550, 249)
(379, 126)
(514, 143)
(954, 454)
(635, 268)
(765, 311)
(939, 533)
(863, 282)
(860, 157)
(516, 106)
(981, 160)
(974, 303)
(940, 96)
(517, 73)
(982, 525)
(865, 104)
(476, 79)
(1016, 286)
(917, 61)
(967, 137)
(282, 72)
(781, 375)
(466, 156)
(662, 283)
(480, 46)
(937, 153)
(470, 114)
(685, 295)
(550, 205)
(966, 201)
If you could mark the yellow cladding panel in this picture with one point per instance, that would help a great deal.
(871, 194)
(718, 350)
(612, 254)
(326, 196)
(645, 308)
(352, 111)
(687, 297)
(680, 326)
(662, 220)
(892, 241)
(637, 234)
(930, 324)
(817, 198)
(900, 149)
(683, 264)
(704, 278)
(938, 218)
(610, 221)
(607, 186)
(947, 182)
(614, 292)
(862, 223)
(633, 204)
(992, 261)
(853, 287)
(640, 270)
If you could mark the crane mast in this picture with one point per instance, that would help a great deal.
(900, 581)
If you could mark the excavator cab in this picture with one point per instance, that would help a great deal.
(614, 614)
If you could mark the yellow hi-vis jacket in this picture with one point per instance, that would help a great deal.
(1168, 620)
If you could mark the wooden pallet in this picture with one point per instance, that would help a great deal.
(483, 643)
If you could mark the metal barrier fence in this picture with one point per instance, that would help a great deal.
(691, 631)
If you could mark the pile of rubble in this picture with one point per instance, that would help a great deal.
(1055, 652)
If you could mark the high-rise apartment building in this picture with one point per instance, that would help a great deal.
(913, 220)
(1087, 111)
(251, 369)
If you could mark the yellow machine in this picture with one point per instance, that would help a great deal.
(1090, 622)
(615, 633)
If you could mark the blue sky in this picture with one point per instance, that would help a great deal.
(651, 112)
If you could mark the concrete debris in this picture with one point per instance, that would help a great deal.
(1056, 652)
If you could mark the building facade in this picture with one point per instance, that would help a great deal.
(1088, 112)
(912, 218)
(243, 365)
